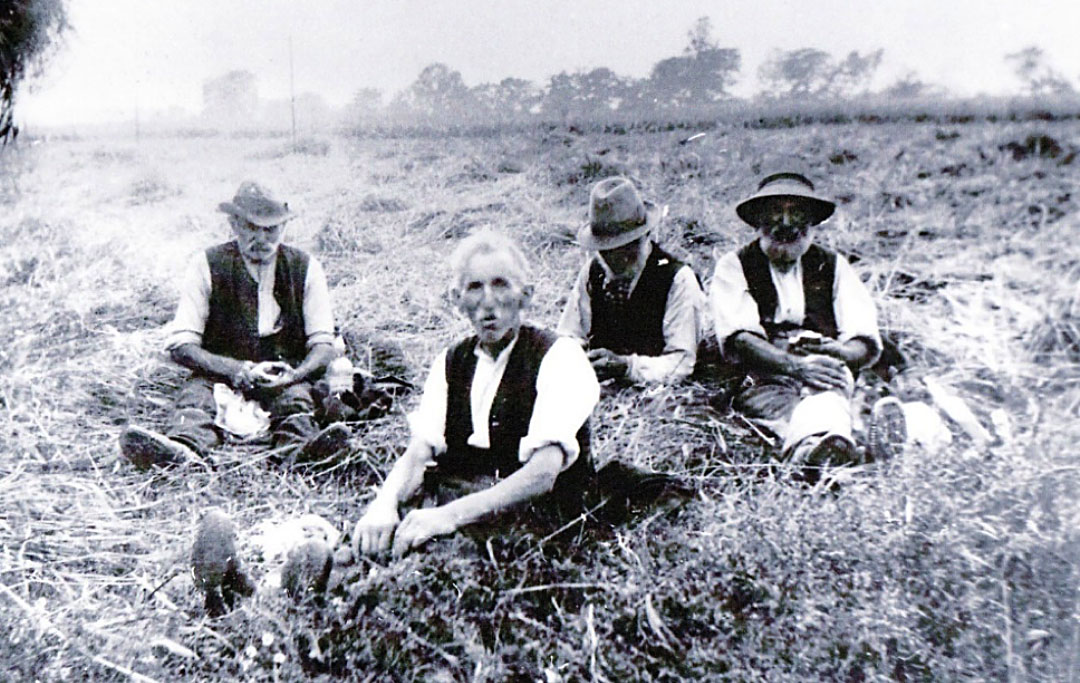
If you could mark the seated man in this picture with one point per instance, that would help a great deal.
(637, 307)
(253, 314)
(800, 321)
(504, 412)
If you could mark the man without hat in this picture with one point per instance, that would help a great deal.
(503, 420)
(637, 308)
(255, 315)
(801, 322)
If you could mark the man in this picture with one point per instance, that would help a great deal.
(253, 314)
(802, 324)
(637, 308)
(503, 415)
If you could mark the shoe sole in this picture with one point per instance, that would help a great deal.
(888, 430)
(146, 449)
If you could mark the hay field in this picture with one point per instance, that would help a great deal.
(957, 564)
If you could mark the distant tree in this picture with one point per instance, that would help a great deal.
(28, 28)
(585, 93)
(439, 93)
(365, 104)
(704, 73)
(1037, 77)
(910, 86)
(510, 98)
(231, 99)
(852, 75)
(812, 73)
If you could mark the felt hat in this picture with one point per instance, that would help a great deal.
(254, 203)
(617, 215)
(784, 185)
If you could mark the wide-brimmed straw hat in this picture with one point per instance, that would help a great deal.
(254, 203)
(785, 185)
(617, 215)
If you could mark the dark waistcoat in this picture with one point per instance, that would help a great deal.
(232, 326)
(511, 412)
(819, 273)
(637, 325)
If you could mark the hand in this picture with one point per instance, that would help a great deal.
(375, 529)
(273, 375)
(607, 364)
(420, 526)
(822, 372)
(243, 379)
(823, 346)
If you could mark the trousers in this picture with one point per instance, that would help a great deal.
(797, 414)
(292, 415)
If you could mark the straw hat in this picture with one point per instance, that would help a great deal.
(785, 185)
(617, 215)
(254, 203)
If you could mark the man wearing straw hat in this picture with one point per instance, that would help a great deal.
(638, 309)
(254, 314)
(801, 322)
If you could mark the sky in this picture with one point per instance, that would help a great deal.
(155, 54)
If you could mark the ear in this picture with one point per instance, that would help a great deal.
(454, 295)
(526, 295)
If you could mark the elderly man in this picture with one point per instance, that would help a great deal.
(504, 413)
(253, 314)
(802, 324)
(637, 307)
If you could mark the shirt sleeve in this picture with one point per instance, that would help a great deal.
(566, 393)
(318, 312)
(733, 309)
(856, 315)
(194, 305)
(576, 319)
(683, 324)
(428, 422)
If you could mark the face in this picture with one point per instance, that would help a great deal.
(258, 244)
(491, 295)
(624, 261)
(786, 232)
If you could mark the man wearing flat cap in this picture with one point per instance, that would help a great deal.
(637, 308)
(800, 321)
(254, 314)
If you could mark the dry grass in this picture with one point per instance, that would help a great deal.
(958, 564)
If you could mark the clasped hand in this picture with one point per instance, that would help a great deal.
(267, 375)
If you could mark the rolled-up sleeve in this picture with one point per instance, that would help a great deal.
(428, 422)
(733, 308)
(856, 315)
(318, 311)
(566, 393)
(193, 307)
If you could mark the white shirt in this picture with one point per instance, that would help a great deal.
(734, 309)
(566, 393)
(194, 305)
(684, 325)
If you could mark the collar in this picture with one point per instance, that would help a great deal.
(479, 351)
(261, 271)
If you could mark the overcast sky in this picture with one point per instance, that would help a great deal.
(157, 53)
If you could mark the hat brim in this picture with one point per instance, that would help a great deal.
(751, 209)
(586, 238)
(261, 221)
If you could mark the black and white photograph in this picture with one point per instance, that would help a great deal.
(570, 340)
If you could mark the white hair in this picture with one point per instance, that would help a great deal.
(488, 242)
